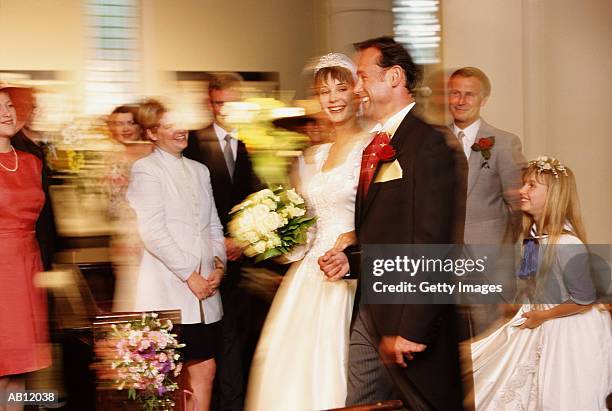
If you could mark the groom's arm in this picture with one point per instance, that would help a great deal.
(353, 254)
(337, 264)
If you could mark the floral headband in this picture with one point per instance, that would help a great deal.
(545, 164)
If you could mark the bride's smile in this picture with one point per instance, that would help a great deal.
(337, 100)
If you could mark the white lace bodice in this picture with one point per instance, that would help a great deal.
(330, 195)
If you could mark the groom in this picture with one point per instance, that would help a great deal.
(418, 343)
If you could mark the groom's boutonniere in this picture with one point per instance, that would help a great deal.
(386, 153)
(484, 145)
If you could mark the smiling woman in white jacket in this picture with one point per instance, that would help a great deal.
(184, 253)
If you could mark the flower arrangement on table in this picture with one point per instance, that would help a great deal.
(144, 359)
(270, 223)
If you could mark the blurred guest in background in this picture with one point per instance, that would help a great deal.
(23, 311)
(29, 141)
(124, 130)
(184, 257)
(232, 178)
(125, 246)
(122, 125)
(316, 126)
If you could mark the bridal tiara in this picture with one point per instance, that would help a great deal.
(336, 60)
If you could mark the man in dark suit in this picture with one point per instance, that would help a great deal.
(408, 200)
(232, 179)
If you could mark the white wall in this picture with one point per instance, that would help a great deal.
(569, 100)
(219, 35)
(351, 21)
(41, 35)
(488, 34)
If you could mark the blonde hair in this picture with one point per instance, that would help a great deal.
(476, 73)
(561, 213)
(149, 114)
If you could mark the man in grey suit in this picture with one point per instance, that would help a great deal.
(495, 161)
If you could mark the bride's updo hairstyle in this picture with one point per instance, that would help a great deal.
(334, 66)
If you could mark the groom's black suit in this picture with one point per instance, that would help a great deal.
(419, 208)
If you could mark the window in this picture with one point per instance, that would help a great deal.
(417, 26)
(112, 70)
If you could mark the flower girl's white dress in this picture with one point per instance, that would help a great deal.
(564, 364)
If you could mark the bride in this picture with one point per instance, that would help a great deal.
(550, 356)
(301, 358)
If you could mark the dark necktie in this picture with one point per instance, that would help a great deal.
(229, 156)
(369, 161)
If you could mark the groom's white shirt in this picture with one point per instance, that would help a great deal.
(392, 124)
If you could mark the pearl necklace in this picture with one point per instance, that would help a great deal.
(16, 162)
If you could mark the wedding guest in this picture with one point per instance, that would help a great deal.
(23, 310)
(122, 124)
(125, 245)
(184, 256)
(232, 178)
(29, 141)
(493, 215)
(556, 353)
(495, 160)
(315, 126)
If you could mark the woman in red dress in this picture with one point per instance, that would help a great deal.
(23, 312)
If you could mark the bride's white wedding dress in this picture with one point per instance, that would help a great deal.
(301, 359)
(564, 364)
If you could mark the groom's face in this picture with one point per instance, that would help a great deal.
(372, 86)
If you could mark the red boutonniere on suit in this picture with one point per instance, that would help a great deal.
(386, 153)
(484, 145)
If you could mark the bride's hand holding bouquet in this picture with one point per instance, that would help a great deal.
(270, 223)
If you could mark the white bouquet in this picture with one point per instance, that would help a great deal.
(270, 223)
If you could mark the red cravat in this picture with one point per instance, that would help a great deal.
(369, 161)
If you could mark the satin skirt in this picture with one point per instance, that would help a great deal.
(301, 360)
(564, 364)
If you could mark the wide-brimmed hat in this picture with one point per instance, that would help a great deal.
(312, 114)
(23, 101)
